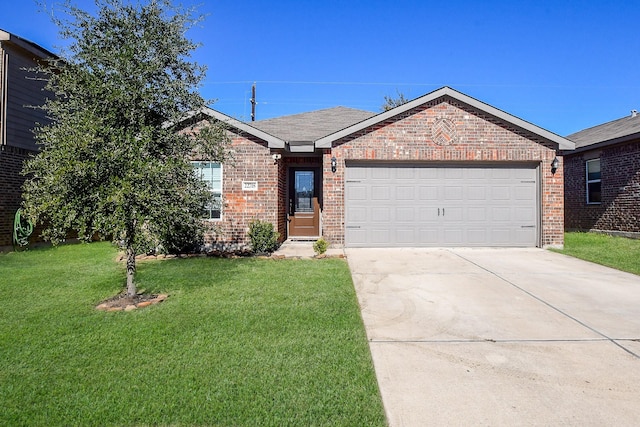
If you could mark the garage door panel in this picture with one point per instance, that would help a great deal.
(500, 192)
(405, 173)
(476, 192)
(405, 215)
(358, 214)
(379, 173)
(381, 235)
(428, 236)
(478, 213)
(357, 192)
(406, 236)
(477, 236)
(380, 192)
(404, 192)
(446, 206)
(453, 214)
(453, 237)
(429, 193)
(453, 192)
(380, 214)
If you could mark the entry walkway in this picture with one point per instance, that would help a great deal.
(500, 337)
(303, 249)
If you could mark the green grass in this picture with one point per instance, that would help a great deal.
(244, 342)
(617, 252)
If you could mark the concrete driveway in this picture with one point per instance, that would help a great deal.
(500, 337)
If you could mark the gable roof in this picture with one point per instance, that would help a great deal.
(613, 132)
(563, 143)
(312, 125)
(25, 44)
(272, 141)
(306, 132)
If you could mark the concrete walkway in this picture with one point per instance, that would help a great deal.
(303, 249)
(500, 337)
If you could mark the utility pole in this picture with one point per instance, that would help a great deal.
(253, 102)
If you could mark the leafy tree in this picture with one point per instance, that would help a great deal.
(111, 161)
(391, 102)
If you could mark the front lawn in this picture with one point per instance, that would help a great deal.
(617, 252)
(242, 342)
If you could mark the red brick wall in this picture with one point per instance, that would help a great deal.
(11, 160)
(478, 138)
(620, 173)
(252, 161)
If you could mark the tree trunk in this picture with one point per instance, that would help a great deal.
(131, 271)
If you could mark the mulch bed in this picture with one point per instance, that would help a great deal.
(122, 302)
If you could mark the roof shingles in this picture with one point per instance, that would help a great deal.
(312, 125)
(620, 128)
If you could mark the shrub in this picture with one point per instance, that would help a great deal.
(320, 246)
(264, 238)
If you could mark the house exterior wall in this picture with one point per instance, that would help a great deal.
(251, 162)
(19, 90)
(476, 137)
(11, 180)
(620, 186)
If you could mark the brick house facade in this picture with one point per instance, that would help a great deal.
(614, 205)
(17, 120)
(444, 130)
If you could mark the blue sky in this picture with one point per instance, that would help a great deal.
(562, 65)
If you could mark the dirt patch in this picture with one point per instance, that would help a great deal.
(123, 302)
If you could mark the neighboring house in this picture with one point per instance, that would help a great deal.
(602, 178)
(442, 170)
(19, 90)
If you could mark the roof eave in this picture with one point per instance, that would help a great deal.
(563, 143)
(602, 144)
(25, 44)
(272, 141)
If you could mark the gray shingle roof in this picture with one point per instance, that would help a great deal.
(613, 130)
(312, 125)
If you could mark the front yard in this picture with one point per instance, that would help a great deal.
(242, 342)
(617, 252)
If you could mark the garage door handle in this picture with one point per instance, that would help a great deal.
(439, 211)
(353, 226)
(527, 226)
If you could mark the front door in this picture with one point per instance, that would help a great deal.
(304, 205)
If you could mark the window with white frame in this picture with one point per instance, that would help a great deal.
(211, 174)
(594, 193)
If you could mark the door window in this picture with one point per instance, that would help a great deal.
(304, 191)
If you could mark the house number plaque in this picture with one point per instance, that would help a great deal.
(249, 185)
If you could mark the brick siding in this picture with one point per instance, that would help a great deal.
(11, 181)
(478, 138)
(620, 186)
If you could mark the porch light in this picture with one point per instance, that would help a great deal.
(554, 165)
(334, 164)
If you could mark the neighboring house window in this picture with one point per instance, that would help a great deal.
(211, 174)
(594, 194)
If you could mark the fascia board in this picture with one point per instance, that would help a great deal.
(563, 143)
(603, 144)
(272, 141)
(24, 44)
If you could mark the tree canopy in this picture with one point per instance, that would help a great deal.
(391, 102)
(111, 162)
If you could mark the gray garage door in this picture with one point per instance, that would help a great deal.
(405, 206)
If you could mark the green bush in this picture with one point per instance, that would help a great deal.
(264, 238)
(320, 246)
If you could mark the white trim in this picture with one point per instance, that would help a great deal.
(563, 143)
(592, 181)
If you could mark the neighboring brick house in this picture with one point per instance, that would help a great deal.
(602, 178)
(19, 90)
(442, 170)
